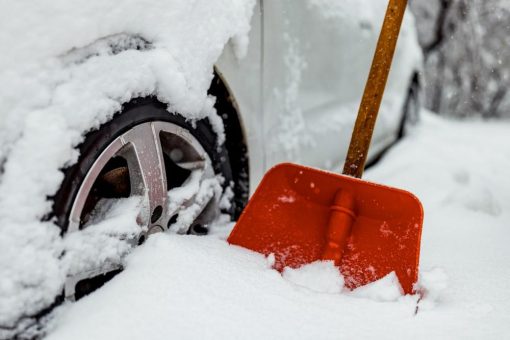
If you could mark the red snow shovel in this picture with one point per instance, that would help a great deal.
(302, 215)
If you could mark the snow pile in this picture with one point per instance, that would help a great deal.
(324, 277)
(106, 241)
(386, 289)
(70, 72)
(332, 9)
(431, 285)
(321, 276)
(200, 287)
(194, 190)
(459, 171)
(194, 287)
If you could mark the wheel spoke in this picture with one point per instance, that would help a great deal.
(88, 182)
(147, 172)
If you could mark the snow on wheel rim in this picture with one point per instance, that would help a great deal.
(146, 150)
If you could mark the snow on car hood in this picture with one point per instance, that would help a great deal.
(67, 67)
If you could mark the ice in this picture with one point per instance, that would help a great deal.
(431, 285)
(190, 287)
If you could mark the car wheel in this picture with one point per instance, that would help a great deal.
(411, 110)
(143, 151)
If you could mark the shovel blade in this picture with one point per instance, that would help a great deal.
(288, 216)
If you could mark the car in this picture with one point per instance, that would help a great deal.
(124, 120)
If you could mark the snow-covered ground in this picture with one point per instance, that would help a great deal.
(200, 287)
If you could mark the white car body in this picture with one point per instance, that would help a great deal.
(299, 87)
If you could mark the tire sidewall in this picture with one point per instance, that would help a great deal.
(135, 112)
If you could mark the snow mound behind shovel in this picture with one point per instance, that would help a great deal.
(324, 277)
(320, 276)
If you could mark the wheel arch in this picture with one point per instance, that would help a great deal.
(235, 145)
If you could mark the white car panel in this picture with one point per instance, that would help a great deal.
(315, 59)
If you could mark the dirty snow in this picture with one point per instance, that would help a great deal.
(189, 287)
(65, 68)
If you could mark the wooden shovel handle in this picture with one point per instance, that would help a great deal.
(374, 89)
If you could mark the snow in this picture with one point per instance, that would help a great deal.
(384, 290)
(106, 240)
(431, 285)
(73, 69)
(67, 67)
(321, 276)
(200, 287)
(201, 190)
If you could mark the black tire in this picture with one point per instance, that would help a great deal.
(410, 117)
(136, 112)
(411, 111)
(235, 143)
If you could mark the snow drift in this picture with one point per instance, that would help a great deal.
(204, 288)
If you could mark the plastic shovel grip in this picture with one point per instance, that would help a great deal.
(340, 222)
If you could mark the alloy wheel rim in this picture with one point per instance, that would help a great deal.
(155, 157)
